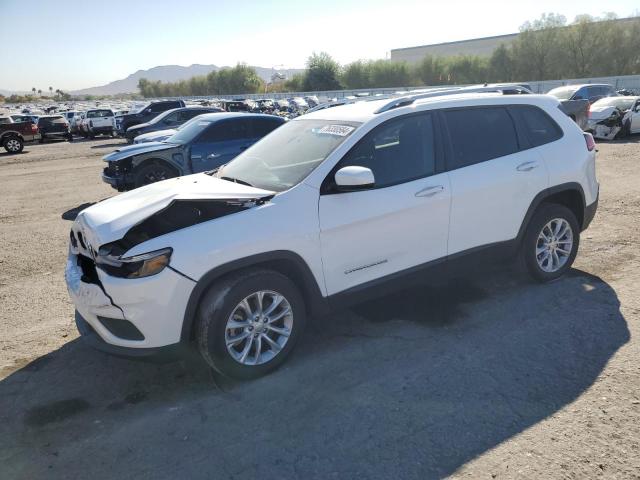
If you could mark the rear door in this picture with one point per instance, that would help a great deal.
(494, 176)
(635, 118)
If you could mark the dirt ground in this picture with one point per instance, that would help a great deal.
(488, 377)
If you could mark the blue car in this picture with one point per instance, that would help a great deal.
(207, 142)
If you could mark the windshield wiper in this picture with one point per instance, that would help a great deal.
(236, 180)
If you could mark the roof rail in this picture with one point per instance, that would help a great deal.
(505, 89)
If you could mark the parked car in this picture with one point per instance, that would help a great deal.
(330, 209)
(614, 117)
(13, 135)
(207, 142)
(235, 106)
(169, 119)
(592, 92)
(5, 119)
(54, 127)
(147, 113)
(98, 121)
(71, 116)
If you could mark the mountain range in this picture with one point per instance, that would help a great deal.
(164, 73)
(168, 73)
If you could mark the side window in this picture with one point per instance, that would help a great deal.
(172, 117)
(396, 152)
(480, 134)
(581, 94)
(158, 107)
(185, 115)
(236, 129)
(213, 133)
(262, 126)
(539, 127)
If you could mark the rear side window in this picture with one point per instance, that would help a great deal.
(480, 134)
(398, 151)
(225, 131)
(538, 127)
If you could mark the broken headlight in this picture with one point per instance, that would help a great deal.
(138, 266)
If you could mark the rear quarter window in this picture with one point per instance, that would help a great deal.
(479, 134)
(539, 128)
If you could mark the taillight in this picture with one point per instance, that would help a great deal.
(591, 143)
(91, 123)
(34, 128)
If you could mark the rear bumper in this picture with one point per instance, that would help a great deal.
(166, 353)
(106, 129)
(590, 213)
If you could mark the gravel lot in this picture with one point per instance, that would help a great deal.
(492, 377)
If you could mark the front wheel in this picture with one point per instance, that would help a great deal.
(249, 323)
(13, 144)
(153, 172)
(551, 242)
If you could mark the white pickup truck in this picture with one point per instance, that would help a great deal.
(97, 121)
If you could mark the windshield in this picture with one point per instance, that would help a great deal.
(563, 93)
(287, 155)
(623, 103)
(188, 132)
(161, 116)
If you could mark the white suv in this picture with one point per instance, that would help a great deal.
(330, 208)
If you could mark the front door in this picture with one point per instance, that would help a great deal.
(401, 222)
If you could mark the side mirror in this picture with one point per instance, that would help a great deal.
(349, 179)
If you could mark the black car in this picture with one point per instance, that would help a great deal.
(54, 126)
(148, 113)
(203, 144)
(169, 119)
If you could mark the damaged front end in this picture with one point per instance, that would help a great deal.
(119, 174)
(611, 127)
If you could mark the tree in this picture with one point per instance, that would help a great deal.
(50, 90)
(33, 89)
(322, 73)
(537, 50)
(501, 65)
(385, 73)
(39, 92)
(431, 71)
(356, 75)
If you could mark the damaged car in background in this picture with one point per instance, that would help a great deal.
(205, 143)
(614, 117)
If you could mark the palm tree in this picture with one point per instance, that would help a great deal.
(33, 89)
(50, 90)
(39, 92)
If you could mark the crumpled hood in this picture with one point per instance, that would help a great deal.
(109, 220)
(600, 113)
(137, 149)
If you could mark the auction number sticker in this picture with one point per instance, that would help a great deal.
(339, 130)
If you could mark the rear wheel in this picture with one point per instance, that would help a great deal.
(153, 172)
(13, 144)
(551, 242)
(249, 323)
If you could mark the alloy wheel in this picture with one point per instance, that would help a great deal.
(554, 245)
(259, 327)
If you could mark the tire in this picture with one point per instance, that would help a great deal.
(560, 249)
(13, 144)
(153, 172)
(223, 303)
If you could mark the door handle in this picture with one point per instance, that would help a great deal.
(430, 191)
(213, 155)
(196, 157)
(527, 166)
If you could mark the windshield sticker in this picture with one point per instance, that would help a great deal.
(338, 130)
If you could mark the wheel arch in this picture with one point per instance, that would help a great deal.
(286, 262)
(151, 160)
(570, 195)
(10, 133)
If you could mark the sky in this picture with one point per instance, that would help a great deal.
(71, 45)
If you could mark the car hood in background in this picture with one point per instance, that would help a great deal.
(600, 113)
(137, 149)
(157, 136)
(109, 220)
